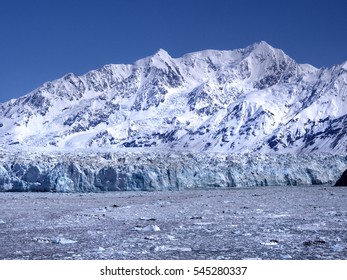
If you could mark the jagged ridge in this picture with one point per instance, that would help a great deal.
(245, 100)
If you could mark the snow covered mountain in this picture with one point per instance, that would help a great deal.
(245, 100)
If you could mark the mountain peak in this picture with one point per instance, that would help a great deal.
(162, 53)
(261, 46)
(160, 59)
(251, 99)
(264, 51)
(344, 65)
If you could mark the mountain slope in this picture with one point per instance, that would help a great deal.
(251, 99)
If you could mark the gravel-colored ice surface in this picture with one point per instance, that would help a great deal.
(236, 223)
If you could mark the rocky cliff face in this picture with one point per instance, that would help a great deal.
(342, 181)
(255, 99)
(104, 171)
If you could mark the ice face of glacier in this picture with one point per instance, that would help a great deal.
(255, 99)
(105, 171)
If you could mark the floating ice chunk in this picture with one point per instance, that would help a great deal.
(59, 240)
(2, 222)
(203, 224)
(64, 241)
(151, 228)
(272, 242)
(287, 256)
(171, 237)
(151, 237)
(338, 248)
(172, 248)
(148, 228)
(42, 239)
(147, 219)
(196, 217)
(279, 215)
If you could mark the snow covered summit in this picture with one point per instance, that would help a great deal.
(244, 100)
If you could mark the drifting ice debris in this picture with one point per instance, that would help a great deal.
(2, 222)
(147, 219)
(42, 240)
(314, 242)
(287, 256)
(63, 241)
(59, 240)
(196, 218)
(271, 243)
(151, 237)
(148, 228)
(172, 248)
(338, 248)
(151, 228)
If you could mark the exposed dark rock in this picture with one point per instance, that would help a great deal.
(342, 182)
(313, 242)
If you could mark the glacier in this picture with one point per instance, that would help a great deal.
(247, 117)
(153, 171)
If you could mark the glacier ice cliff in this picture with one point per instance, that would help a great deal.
(151, 171)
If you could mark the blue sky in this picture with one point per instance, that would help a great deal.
(42, 40)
